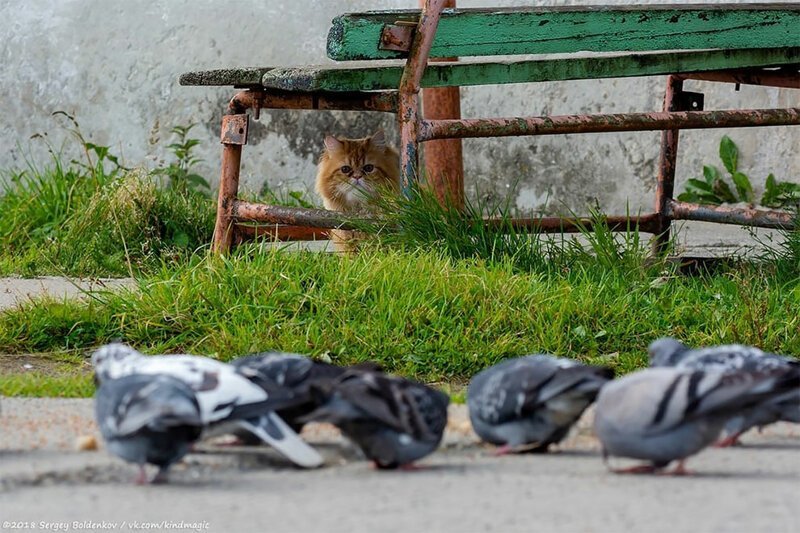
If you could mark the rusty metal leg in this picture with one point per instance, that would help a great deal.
(666, 167)
(234, 136)
(408, 104)
(444, 166)
(409, 147)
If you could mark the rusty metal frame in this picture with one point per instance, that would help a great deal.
(682, 110)
(228, 228)
(408, 111)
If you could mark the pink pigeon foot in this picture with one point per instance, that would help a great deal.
(680, 469)
(505, 449)
(141, 477)
(727, 442)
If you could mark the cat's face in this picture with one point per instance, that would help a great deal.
(351, 171)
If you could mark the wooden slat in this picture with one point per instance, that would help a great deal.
(547, 30)
(352, 78)
(244, 77)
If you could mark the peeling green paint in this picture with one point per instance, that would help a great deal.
(481, 32)
(372, 77)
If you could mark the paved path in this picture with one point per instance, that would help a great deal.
(17, 290)
(754, 488)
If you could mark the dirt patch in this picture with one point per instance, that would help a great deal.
(43, 364)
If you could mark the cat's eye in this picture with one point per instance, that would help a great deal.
(346, 169)
(369, 168)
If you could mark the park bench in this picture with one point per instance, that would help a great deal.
(732, 43)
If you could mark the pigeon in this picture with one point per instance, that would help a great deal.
(528, 403)
(393, 420)
(148, 419)
(277, 372)
(666, 414)
(227, 399)
(732, 357)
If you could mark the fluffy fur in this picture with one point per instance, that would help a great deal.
(351, 174)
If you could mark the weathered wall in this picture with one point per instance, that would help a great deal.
(114, 65)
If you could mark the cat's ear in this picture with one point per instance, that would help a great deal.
(332, 144)
(378, 140)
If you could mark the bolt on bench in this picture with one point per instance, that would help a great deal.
(743, 44)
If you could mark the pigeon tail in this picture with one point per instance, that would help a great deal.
(271, 429)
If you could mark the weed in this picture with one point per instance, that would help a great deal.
(179, 173)
(287, 197)
(713, 189)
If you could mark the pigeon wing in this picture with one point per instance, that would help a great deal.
(517, 387)
(126, 405)
(680, 395)
(401, 404)
(282, 369)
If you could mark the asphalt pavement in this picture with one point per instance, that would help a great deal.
(46, 484)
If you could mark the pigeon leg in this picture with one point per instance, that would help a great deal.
(730, 440)
(636, 469)
(141, 477)
(505, 449)
(680, 469)
(161, 476)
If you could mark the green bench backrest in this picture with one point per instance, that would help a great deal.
(546, 30)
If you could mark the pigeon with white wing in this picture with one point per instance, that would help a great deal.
(668, 351)
(667, 414)
(528, 403)
(227, 399)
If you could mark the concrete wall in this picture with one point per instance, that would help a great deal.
(114, 65)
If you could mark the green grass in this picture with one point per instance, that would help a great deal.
(438, 295)
(69, 384)
(117, 226)
(419, 313)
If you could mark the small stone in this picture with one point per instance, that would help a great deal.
(86, 443)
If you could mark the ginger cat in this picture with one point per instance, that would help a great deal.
(351, 173)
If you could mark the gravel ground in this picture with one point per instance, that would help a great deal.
(46, 483)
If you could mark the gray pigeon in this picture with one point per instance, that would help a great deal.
(283, 373)
(529, 403)
(148, 419)
(227, 399)
(393, 420)
(733, 357)
(665, 414)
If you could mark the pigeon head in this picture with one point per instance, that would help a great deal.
(666, 351)
(108, 359)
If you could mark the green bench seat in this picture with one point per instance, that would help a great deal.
(386, 75)
(554, 30)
